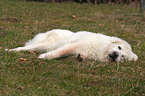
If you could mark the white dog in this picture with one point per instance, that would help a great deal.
(86, 45)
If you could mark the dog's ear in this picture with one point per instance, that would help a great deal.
(116, 41)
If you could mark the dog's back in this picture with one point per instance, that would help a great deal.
(49, 37)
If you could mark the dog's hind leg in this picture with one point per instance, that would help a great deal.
(62, 51)
(15, 49)
(33, 47)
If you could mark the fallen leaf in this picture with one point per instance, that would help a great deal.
(13, 19)
(74, 16)
(37, 52)
(22, 59)
(40, 63)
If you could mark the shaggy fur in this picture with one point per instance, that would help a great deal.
(58, 43)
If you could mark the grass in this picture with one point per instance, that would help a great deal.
(21, 21)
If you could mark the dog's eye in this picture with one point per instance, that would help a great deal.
(119, 48)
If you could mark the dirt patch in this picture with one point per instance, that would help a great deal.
(10, 20)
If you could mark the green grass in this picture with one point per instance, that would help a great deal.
(68, 77)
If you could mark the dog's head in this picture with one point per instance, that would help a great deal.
(120, 50)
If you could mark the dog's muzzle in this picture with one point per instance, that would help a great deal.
(113, 56)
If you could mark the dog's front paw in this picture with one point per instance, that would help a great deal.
(45, 56)
(42, 56)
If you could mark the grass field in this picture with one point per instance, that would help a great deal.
(21, 20)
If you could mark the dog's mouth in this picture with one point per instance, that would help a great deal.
(113, 56)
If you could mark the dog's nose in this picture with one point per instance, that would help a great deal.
(115, 54)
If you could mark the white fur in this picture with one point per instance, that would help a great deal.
(58, 43)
